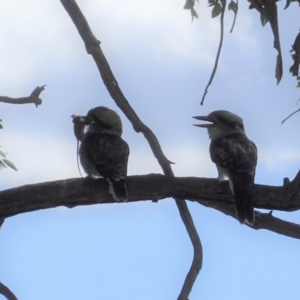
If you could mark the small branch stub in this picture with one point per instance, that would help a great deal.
(33, 98)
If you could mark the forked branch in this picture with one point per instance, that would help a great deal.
(33, 98)
(93, 47)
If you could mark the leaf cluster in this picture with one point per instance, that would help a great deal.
(189, 4)
(268, 14)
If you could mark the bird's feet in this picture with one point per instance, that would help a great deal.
(223, 186)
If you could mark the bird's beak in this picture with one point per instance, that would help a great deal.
(83, 120)
(204, 118)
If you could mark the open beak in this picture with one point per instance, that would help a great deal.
(83, 120)
(204, 118)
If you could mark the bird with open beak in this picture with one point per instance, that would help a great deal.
(235, 157)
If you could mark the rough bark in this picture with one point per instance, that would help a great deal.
(155, 187)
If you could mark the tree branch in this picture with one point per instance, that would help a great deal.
(93, 47)
(205, 191)
(6, 292)
(218, 52)
(33, 98)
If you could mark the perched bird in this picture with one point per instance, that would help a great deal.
(235, 157)
(102, 152)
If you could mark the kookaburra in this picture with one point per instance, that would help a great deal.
(102, 152)
(235, 157)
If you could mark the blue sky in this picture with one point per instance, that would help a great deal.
(162, 62)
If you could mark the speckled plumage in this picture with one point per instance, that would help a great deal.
(235, 157)
(103, 152)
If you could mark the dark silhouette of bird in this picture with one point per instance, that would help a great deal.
(102, 152)
(235, 157)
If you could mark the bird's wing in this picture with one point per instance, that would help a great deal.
(235, 153)
(238, 155)
(109, 153)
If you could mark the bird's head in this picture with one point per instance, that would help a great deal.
(103, 119)
(80, 122)
(222, 122)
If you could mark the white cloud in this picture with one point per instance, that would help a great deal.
(279, 160)
(37, 160)
(37, 36)
(162, 27)
(44, 39)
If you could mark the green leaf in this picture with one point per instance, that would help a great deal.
(233, 6)
(1, 127)
(189, 4)
(288, 2)
(263, 18)
(267, 12)
(216, 10)
(10, 164)
(298, 85)
(194, 14)
(2, 165)
(2, 154)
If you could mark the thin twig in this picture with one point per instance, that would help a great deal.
(290, 116)
(218, 53)
(235, 15)
(93, 47)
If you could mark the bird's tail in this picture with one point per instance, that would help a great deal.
(118, 189)
(243, 199)
(244, 207)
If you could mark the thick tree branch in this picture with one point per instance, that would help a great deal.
(93, 47)
(77, 191)
(33, 98)
(6, 292)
